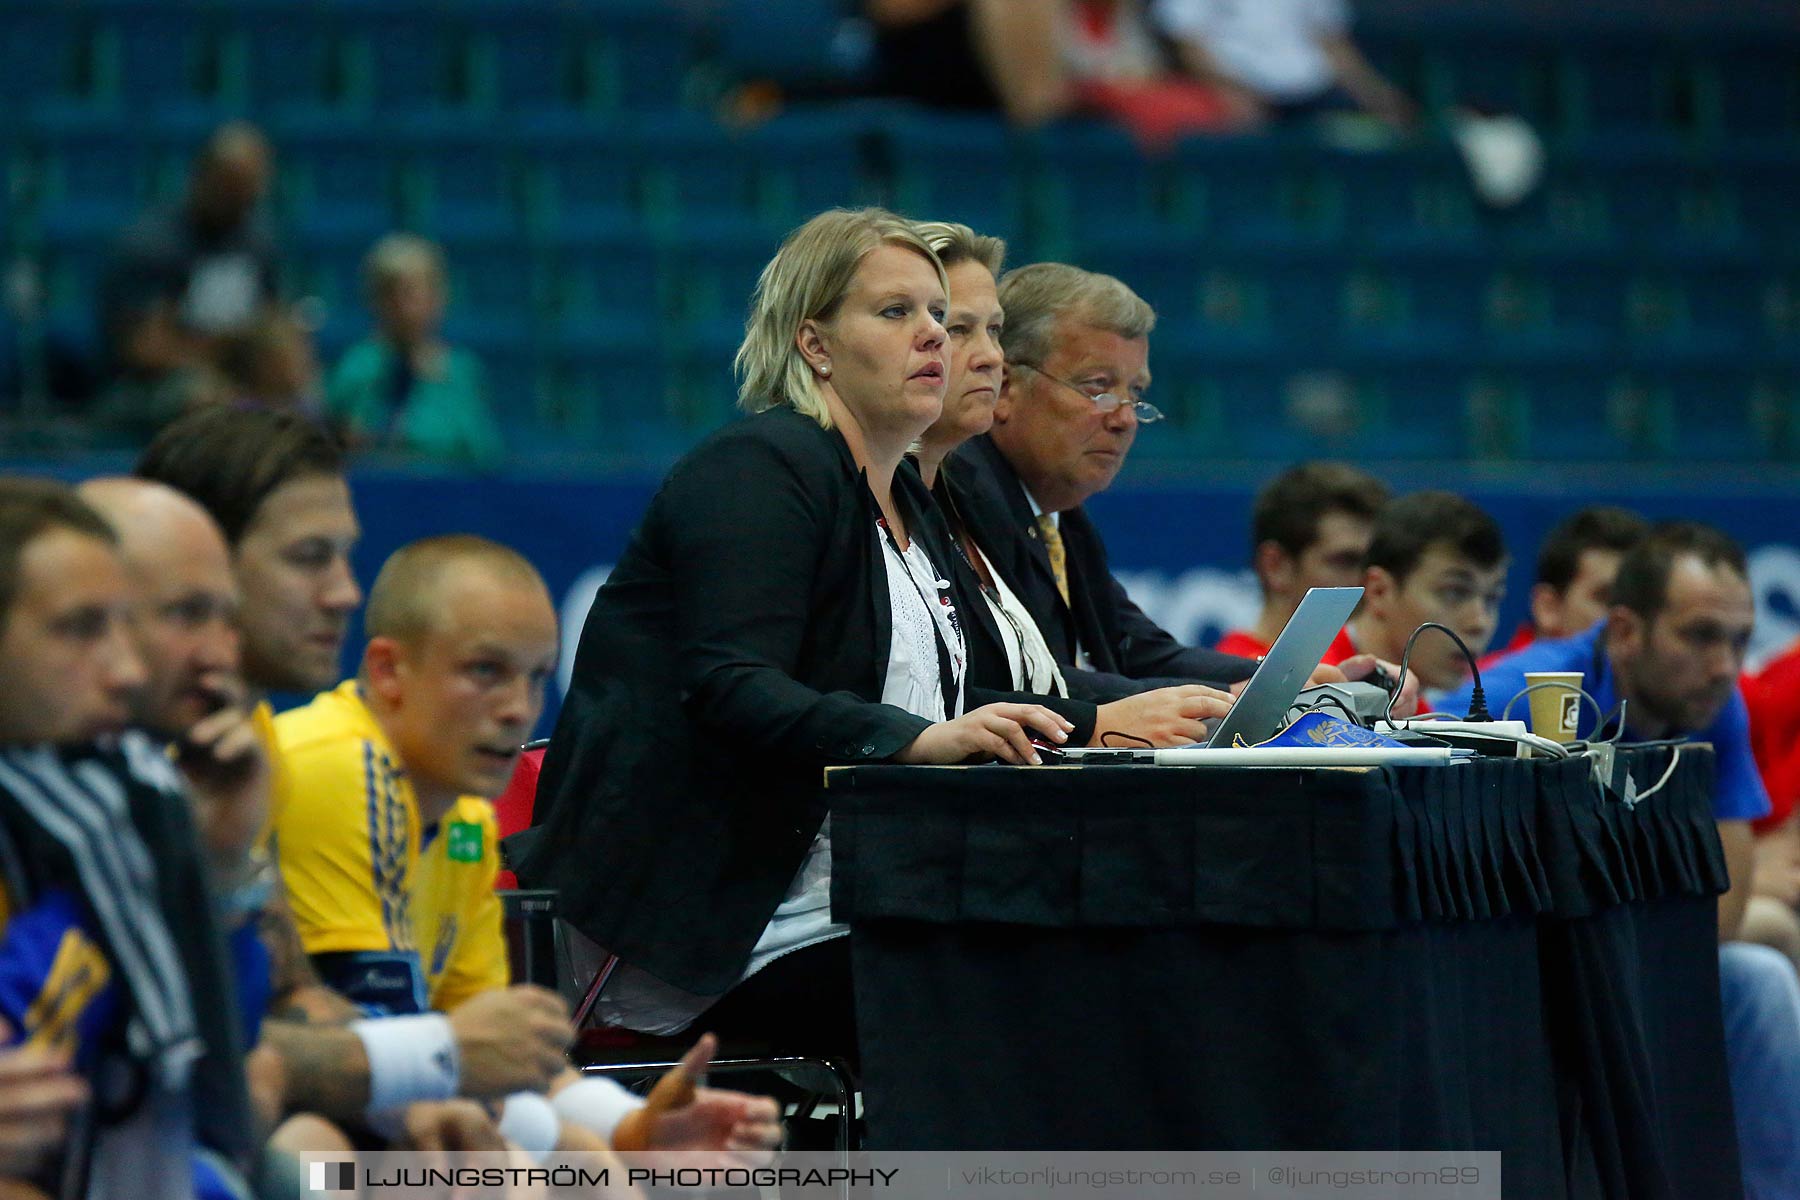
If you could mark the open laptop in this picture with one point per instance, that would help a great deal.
(1259, 710)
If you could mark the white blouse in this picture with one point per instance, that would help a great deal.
(921, 614)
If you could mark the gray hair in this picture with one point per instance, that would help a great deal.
(956, 243)
(1035, 296)
(401, 256)
(806, 281)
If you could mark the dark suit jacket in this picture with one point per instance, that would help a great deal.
(1126, 649)
(739, 647)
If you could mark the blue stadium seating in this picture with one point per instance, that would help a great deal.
(342, 180)
(465, 187)
(956, 168)
(604, 232)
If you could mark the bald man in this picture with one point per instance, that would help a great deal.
(389, 845)
(184, 626)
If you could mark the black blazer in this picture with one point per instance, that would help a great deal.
(1125, 648)
(739, 646)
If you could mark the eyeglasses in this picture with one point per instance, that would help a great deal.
(1105, 402)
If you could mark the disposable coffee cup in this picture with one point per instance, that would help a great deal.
(1555, 710)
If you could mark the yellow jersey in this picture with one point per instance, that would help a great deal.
(281, 784)
(398, 917)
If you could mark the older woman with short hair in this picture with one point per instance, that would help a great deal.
(1006, 647)
(778, 609)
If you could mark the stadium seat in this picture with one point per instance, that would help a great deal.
(583, 183)
(405, 62)
(603, 279)
(97, 175)
(957, 168)
(42, 55)
(712, 277)
(1089, 176)
(346, 180)
(1750, 90)
(1633, 85)
(634, 55)
(1591, 413)
(158, 58)
(498, 293)
(1264, 191)
(1498, 72)
(1405, 198)
(283, 58)
(527, 60)
(465, 186)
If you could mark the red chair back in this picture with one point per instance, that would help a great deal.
(512, 808)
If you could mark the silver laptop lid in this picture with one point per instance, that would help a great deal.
(1258, 712)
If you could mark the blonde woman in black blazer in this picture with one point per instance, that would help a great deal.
(747, 638)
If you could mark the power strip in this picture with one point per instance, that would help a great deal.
(1478, 736)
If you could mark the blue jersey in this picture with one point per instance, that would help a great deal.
(58, 990)
(1738, 793)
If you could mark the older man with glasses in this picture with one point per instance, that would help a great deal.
(1077, 348)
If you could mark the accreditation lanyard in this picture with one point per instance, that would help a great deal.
(943, 615)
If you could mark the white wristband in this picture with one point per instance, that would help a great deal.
(528, 1122)
(410, 1059)
(595, 1104)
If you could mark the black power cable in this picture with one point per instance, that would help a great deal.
(1478, 709)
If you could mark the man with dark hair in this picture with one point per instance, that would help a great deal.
(274, 482)
(64, 602)
(113, 969)
(1310, 528)
(1575, 570)
(1433, 556)
(1672, 648)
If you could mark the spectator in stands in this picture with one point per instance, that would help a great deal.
(1433, 556)
(776, 610)
(980, 54)
(75, 788)
(462, 641)
(184, 277)
(402, 388)
(1036, 60)
(1672, 647)
(1006, 648)
(1575, 570)
(1077, 366)
(1277, 59)
(1310, 528)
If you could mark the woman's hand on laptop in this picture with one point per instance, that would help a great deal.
(1166, 717)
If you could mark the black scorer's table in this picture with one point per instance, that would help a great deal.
(1489, 956)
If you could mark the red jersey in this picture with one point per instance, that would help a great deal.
(1342, 647)
(1773, 698)
(1242, 643)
